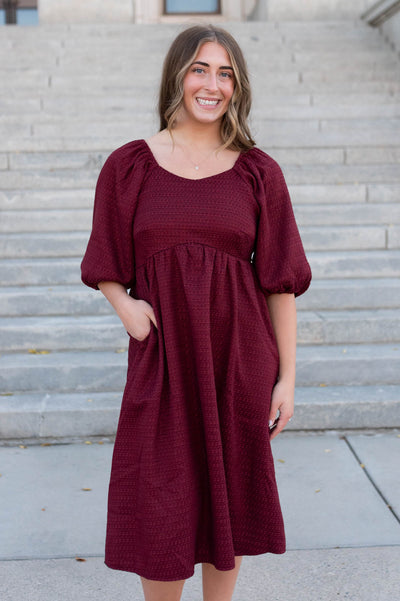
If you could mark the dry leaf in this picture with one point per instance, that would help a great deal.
(318, 490)
(281, 460)
(21, 446)
(362, 465)
(34, 351)
(43, 508)
(100, 442)
(322, 385)
(88, 442)
(90, 400)
(6, 394)
(46, 444)
(328, 450)
(120, 350)
(86, 489)
(79, 559)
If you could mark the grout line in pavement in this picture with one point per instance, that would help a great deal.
(368, 475)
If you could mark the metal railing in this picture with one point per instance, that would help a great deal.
(380, 12)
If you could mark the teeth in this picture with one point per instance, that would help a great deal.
(207, 102)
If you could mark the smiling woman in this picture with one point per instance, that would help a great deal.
(197, 223)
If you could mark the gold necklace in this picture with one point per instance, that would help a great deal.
(197, 164)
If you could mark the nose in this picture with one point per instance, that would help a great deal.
(212, 82)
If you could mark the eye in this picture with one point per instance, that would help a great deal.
(197, 70)
(226, 75)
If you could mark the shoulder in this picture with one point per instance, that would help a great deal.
(260, 170)
(258, 160)
(127, 161)
(131, 151)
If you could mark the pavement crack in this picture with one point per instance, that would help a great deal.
(368, 475)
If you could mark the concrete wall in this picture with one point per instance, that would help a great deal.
(86, 11)
(291, 10)
(391, 31)
(150, 11)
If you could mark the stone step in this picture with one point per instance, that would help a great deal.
(335, 264)
(315, 194)
(340, 295)
(125, 103)
(346, 407)
(321, 174)
(78, 219)
(52, 178)
(370, 132)
(64, 415)
(53, 300)
(281, 66)
(356, 365)
(344, 194)
(284, 110)
(315, 238)
(351, 214)
(276, 82)
(105, 371)
(355, 264)
(106, 332)
(288, 158)
(324, 295)
(283, 134)
(283, 137)
(117, 112)
(31, 199)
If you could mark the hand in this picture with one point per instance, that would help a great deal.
(282, 401)
(137, 315)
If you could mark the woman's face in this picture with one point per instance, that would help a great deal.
(208, 85)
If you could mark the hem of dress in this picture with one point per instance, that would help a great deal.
(145, 574)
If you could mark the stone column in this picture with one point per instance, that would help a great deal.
(86, 11)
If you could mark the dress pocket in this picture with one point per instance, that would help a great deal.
(140, 343)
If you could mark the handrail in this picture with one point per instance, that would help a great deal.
(380, 12)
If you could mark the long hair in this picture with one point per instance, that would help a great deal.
(235, 132)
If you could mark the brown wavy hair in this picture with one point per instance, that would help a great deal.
(235, 132)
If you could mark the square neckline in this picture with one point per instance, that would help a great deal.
(190, 179)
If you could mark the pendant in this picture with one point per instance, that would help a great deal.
(196, 167)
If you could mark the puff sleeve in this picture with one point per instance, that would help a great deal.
(109, 254)
(280, 262)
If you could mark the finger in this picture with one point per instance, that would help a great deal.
(273, 414)
(281, 424)
(152, 318)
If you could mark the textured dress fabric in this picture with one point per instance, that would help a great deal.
(192, 477)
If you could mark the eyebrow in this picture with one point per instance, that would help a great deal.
(207, 65)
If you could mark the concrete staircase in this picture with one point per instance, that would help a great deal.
(326, 106)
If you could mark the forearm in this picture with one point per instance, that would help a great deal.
(282, 309)
(135, 314)
(118, 297)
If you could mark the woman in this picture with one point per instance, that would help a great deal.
(197, 224)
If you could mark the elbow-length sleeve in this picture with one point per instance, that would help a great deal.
(109, 254)
(280, 262)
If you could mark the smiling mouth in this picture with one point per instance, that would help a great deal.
(205, 102)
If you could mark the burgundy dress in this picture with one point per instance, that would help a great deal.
(192, 476)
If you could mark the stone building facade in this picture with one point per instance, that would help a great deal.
(158, 11)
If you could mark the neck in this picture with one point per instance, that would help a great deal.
(202, 137)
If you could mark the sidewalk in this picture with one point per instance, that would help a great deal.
(343, 539)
